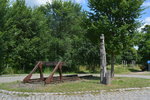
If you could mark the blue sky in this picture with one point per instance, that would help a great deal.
(145, 18)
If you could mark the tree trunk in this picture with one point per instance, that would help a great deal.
(102, 60)
(112, 65)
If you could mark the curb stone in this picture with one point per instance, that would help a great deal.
(65, 93)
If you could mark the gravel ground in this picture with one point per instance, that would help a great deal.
(139, 94)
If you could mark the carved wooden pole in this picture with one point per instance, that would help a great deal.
(102, 60)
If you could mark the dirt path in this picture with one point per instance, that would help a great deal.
(135, 76)
(11, 78)
(140, 73)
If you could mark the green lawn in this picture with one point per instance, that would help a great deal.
(126, 70)
(82, 85)
(146, 73)
(119, 69)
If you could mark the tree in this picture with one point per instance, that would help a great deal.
(50, 32)
(3, 11)
(116, 19)
(144, 45)
(129, 55)
(65, 19)
(24, 36)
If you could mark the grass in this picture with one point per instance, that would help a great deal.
(146, 73)
(119, 69)
(84, 85)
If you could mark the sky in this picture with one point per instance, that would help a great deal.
(145, 18)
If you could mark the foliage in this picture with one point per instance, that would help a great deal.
(23, 36)
(116, 19)
(51, 32)
(61, 30)
(8, 70)
(3, 11)
(129, 55)
(144, 45)
(65, 19)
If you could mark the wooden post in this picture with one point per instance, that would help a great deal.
(102, 60)
(108, 78)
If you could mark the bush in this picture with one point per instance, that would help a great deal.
(8, 70)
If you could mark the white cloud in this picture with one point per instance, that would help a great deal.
(33, 3)
(77, 1)
(146, 21)
(40, 2)
(146, 4)
(80, 1)
(37, 2)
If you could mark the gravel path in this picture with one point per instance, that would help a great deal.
(9, 78)
(135, 76)
(139, 94)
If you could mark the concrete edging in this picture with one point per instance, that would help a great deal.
(65, 93)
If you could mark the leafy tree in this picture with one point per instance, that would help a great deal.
(65, 19)
(3, 11)
(25, 31)
(49, 33)
(129, 55)
(144, 45)
(116, 19)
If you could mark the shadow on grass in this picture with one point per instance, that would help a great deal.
(90, 77)
(89, 72)
(82, 72)
(135, 70)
